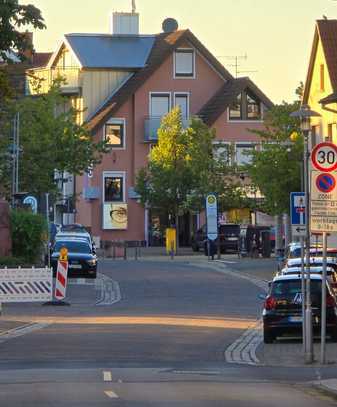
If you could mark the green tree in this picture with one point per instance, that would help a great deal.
(276, 169)
(14, 17)
(50, 139)
(183, 167)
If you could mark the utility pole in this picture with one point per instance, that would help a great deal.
(15, 153)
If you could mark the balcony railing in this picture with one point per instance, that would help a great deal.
(151, 126)
(45, 77)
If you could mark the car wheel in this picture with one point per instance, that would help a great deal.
(268, 336)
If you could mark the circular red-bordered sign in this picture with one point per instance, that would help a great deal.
(324, 157)
(325, 183)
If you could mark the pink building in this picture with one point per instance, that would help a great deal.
(126, 82)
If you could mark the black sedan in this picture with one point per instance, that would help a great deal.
(282, 311)
(82, 261)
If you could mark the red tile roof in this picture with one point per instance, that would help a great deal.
(164, 44)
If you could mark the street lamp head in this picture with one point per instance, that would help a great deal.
(304, 114)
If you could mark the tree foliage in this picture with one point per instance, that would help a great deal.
(183, 168)
(50, 139)
(276, 169)
(14, 17)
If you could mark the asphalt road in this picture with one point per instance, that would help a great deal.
(161, 343)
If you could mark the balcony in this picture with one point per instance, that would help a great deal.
(151, 126)
(47, 76)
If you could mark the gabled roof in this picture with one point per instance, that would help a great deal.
(211, 111)
(163, 46)
(40, 59)
(110, 51)
(326, 31)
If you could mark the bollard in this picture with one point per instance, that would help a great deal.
(136, 252)
(172, 250)
(113, 250)
(125, 254)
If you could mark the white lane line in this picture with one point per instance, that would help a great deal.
(111, 394)
(21, 330)
(107, 376)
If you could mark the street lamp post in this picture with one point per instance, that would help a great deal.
(304, 114)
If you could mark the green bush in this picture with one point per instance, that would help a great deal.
(11, 262)
(29, 232)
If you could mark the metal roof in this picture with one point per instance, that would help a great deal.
(110, 51)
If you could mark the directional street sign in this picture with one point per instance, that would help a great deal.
(323, 202)
(297, 213)
(324, 157)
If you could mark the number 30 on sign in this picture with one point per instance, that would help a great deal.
(324, 157)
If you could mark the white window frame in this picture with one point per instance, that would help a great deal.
(117, 120)
(165, 92)
(175, 76)
(227, 143)
(246, 144)
(117, 174)
(188, 100)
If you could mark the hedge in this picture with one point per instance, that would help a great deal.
(29, 232)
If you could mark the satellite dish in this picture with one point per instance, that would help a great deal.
(169, 25)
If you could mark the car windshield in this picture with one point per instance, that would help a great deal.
(291, 287)
(73, 236)
(73, 247)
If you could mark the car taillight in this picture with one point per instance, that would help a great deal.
(330, 301)
(270, 303)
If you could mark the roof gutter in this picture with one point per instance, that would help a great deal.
(327, 101)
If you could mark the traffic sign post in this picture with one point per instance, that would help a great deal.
(211, 221)
(323, 210)
(298, 225)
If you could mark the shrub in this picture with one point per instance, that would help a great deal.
(29, 233)
(11, 262)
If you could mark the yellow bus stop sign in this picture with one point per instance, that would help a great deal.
(63, 254)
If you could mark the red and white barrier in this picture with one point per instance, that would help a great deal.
(61, 279)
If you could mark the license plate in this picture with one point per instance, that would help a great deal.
(295, 319)
(75, 266)
(232, 238)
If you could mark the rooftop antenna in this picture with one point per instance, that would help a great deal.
(236, 64)
(133, 6)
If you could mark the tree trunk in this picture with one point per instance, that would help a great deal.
(278, 234)
(177, 230)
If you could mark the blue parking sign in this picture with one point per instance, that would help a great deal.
(297, 208)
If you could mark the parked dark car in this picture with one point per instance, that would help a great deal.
(282, 311)
(228, 234)
(81, 258)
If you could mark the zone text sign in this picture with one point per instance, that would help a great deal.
(324, 157)
(323, 202)
(26, 285)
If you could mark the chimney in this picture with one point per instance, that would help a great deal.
(28, 50)
(124, 23)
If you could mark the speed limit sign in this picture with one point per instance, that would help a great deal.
(324, 157)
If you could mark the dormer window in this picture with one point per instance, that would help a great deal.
(184, 63)
(246, 106)
(253, 107)
(235, 109)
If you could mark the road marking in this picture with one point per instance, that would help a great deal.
(107, 376)
(111, 394)
(243, 350)
(21, 330)
(197, 372)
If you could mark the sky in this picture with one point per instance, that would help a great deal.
(276, 35)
